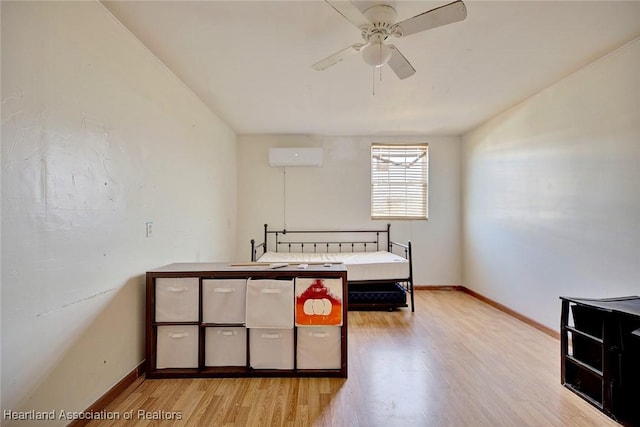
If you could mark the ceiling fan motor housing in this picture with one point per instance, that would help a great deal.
(382, 18)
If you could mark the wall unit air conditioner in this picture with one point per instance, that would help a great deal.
(295, 157)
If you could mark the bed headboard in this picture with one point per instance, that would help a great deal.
(323, 241)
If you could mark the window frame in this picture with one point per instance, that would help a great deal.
(394, 211)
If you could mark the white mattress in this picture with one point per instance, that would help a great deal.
(379, 265)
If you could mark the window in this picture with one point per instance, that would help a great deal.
(399, 178)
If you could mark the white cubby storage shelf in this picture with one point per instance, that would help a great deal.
(207, 320)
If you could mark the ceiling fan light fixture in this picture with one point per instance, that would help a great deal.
(376, 54)
(378, 23)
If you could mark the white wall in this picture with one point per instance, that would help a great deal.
(550, 189)
(337, 196)
(98, 138)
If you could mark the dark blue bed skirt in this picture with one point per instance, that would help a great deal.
(378, 293)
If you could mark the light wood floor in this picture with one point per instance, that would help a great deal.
(454, 362)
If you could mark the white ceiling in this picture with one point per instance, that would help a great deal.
(250, 61)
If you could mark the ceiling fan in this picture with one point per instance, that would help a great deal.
(378, 23)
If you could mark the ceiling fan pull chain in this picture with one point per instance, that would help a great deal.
(373, 82)
(380, 59)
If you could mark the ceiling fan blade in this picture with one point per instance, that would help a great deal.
(337, 57)
(399, 64)
(443, 15)
(350, 12)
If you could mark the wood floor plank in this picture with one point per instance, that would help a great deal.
(456, 361)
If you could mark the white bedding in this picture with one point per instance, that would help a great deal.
(379, 265)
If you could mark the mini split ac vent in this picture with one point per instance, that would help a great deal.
(295, 157)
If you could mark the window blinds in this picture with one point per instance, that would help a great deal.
(399, 181)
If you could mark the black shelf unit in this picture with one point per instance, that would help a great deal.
(600, 354)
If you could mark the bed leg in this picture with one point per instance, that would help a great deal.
(253, 250)
(411, 276)
(412, 302)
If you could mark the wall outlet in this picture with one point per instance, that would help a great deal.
(149, 229)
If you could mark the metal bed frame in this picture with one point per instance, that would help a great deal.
(372, 240)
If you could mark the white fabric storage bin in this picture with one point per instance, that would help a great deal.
(271, 348)
(269, 304)
(225, 346)
(224, 301)
(177, 346)
(319, 348)
(177, 299)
